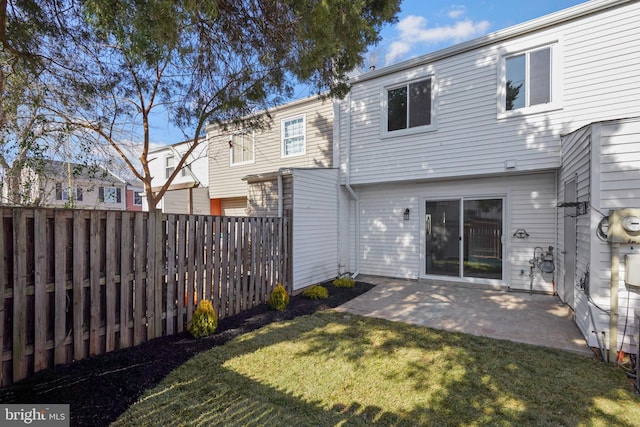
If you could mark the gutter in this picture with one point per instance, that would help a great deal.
(352, 193)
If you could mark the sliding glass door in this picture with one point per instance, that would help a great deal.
(442, 225)
(464, 238)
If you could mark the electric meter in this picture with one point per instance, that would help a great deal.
(624, 226)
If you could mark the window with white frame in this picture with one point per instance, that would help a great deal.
(528, 79)
(169, 166)
(409, 105)
(110, 195)
(137, 198)
(293, 136)
(241, 144)
(63, 192)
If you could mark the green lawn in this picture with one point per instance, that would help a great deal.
(332, 369)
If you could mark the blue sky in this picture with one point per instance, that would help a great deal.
(426, 26)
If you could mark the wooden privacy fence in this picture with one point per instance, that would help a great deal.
(77, 283)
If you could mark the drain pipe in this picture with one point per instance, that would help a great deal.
(280, 195)
(352, 193)
(613, 293)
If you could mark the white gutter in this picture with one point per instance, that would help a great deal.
(353, 194)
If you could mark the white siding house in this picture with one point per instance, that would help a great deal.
(188, 192)
(452, 165)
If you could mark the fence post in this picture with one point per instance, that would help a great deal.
(19, 294)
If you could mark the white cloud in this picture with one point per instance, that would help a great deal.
(456, 11)
(396, 51)
(413, 30)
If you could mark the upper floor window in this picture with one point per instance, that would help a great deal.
(137, 198)
(65, 193)
(110, 194)
(293, 136)
(241, 148)
(409, 105)
(528, 79)
(169, 166)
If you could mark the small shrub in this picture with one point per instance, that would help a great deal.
(316, 292)
(279, 299)
(204, 321)
(344, 282)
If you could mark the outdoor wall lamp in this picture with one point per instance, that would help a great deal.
(406, 214)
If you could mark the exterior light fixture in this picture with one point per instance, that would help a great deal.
(406, 214)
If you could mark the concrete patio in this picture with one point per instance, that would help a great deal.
(473, 309)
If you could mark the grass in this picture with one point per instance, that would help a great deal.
(332, 369)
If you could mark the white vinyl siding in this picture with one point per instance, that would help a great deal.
(604, 158)
(393, 247)
(597, 55)
(315, 226)
(226, 181)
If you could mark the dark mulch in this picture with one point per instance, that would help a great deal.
(103, 387)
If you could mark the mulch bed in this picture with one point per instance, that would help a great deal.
(101, 388)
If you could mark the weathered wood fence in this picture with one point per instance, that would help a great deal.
(77, 283)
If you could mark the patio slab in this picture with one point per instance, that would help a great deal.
(536, 319)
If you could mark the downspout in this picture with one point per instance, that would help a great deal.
(613, 318)
(280, 195)
(352, 193)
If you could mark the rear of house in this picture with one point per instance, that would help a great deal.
(452, 167)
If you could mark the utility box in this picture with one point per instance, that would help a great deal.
(624, 226)
(632, 272)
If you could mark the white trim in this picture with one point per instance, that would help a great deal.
(253, 148)
(304, 135)
(555, 43)
(506, 270)
(404, 82)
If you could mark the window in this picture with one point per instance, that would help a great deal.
(137, 198)
(293, 137)
(409, 106)
(241, 148)
(528, 79)
(110, 194)
(169, 166)
(63, 192)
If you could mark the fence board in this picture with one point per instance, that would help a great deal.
(19, 295)
(94, 283)
(208, 259)
(139, 309)
(191, 268)
(60, 284)
(126, 290)
(87, 282)
(217, 250)
(78, 284)
(110, 272)
(171, 272)
(40, 290)
(182, 250)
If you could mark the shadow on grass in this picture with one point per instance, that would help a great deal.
(336, 369)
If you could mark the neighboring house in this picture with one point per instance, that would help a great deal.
(469, 163)
(135, 196)
(245, 165)
(188, 193)
(68, 185)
